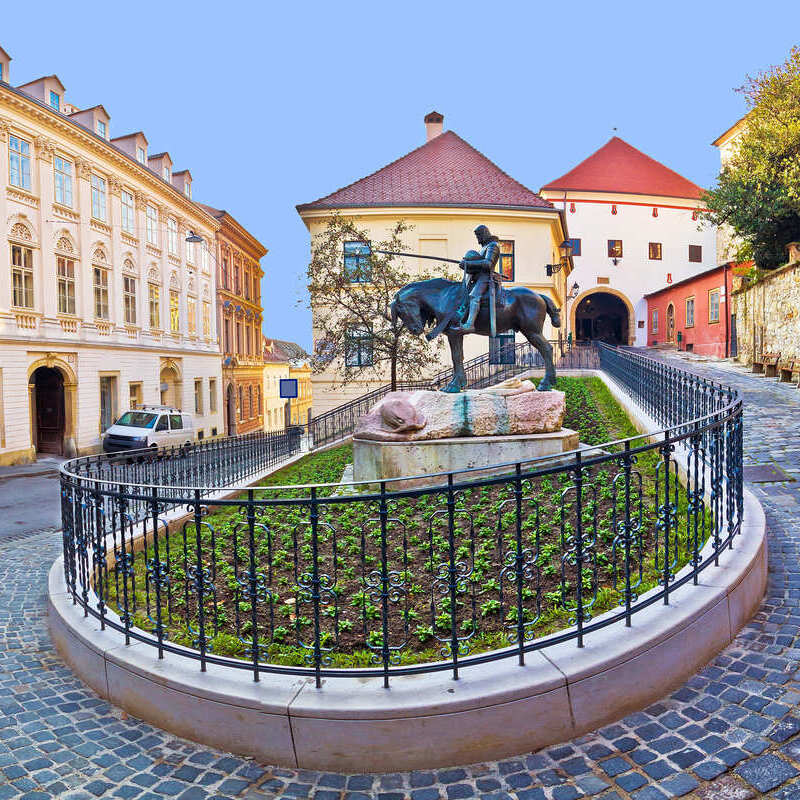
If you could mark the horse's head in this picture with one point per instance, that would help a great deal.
(406, 307)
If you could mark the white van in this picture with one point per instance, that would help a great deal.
(149, 426)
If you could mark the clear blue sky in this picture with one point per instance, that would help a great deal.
(274, 104)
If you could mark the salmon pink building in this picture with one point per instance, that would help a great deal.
(693, 314)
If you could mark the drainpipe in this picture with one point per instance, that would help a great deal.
(728, 301)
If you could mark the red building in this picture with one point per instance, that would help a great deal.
(692, 314)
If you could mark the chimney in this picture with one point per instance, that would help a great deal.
(434, 122)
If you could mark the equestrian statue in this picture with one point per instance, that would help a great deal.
(457, 308)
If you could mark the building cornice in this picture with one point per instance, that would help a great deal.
(73, 131)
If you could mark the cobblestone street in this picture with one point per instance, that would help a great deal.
(731, 732)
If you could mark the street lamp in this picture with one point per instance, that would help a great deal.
(573, 293)
(565, 251)
(193, 238)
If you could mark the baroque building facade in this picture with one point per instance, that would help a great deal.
(104, 305)
(239, 316)
(443, 190)
(635, 227)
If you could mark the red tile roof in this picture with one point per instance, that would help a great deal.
(620, 168)
(446, 171)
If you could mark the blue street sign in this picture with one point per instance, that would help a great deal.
(288, 387)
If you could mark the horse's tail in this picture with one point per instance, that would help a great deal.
(552, 310)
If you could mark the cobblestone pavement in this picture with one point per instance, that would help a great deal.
(731, 733)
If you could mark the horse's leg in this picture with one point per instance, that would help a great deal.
(459, 382)
(546, 349)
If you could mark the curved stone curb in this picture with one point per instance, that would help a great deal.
(494, 710)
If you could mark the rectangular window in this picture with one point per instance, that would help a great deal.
(135, 394)
(99, 198)
(713, 305)
(100, 285)
(358, 347)
(65, 269)
(356, 262)
(152, 224)
(191, 313)
(198, 396)
(695, 253)
(212, 395)
(129, 299)
(237, 283)
(507, 260)
(654, 321)
(246, 285)
(576, 246)
(108, 401)
(225, 272)
(22, 276)
(141, 155)
(128, 213)
(165, 173)
(62, 170)
(187, 189)
(101, 128)
(502, 349)
(172, 236)
(690, 312)
(174, 312)
(238, 338)
(55, 101)
(654, 251)
(615, 248)
(206, 318)
(153, 298)
(226, 328)
(19, 162)
(247, 339)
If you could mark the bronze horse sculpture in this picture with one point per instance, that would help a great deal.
(430, 303)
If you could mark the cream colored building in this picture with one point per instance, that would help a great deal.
(726, 142)
(444, 190)
(276, 367)
(103, 304)
(284, 359)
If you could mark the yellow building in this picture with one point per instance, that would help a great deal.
(285, 360)
(443, 190)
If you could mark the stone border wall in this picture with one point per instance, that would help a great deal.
(768, 315)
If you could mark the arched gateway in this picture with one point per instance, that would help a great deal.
(603, 315)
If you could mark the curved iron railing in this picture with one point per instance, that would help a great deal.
(309, 579)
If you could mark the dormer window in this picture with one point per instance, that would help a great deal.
(101, 128)
(187, 188)
(141, 155)
(2, 74)
(165, 173)
(55, 101)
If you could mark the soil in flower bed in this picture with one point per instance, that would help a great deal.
(423, 614)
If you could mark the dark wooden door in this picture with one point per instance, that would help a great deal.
(49, 410)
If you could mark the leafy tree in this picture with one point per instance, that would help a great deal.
(758, 192)
(350, 298)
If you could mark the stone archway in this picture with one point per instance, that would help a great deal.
(171, 385)
(53, 406)
(603, 314)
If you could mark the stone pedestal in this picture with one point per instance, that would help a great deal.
(418, 461)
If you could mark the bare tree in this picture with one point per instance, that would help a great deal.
(351, 287)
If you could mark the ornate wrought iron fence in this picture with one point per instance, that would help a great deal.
(309, 580)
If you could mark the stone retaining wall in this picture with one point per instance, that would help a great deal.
(768, 315)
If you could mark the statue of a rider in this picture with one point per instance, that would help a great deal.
(480, 266)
